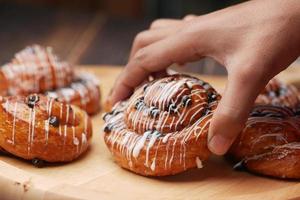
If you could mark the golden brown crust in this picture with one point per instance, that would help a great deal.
(3, 85)
(270, 142)
(279, 94)
(38, 127)
(162, 129)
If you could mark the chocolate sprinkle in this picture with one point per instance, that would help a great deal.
(32, 100)
(172, 108)
(54, 121)
(211, 97)
(186, 100)
(207, 111)
(105, 115)
(240, 166)
(38, 163)
(154, 112)
(145, 87)
(108, 128)
(139, 103)
(115, 112)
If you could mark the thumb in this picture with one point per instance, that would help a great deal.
(232, 111)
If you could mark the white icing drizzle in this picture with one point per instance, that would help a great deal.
(276, 118)
(140, 144)
(153, 139)
(166, 138)
(199, 163)
(86, 89)
(130, 144)
(12, 107)
(152, 167)
(290, 96)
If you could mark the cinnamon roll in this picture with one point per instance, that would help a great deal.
(162, 129)
(279, 94)
(270, 142)
(39, 128)
(38, 70)
(35, 70)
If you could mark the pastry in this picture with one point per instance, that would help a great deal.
(162, 129)
(40, 128)
(270, 142)
(37, 70)
(279, 94)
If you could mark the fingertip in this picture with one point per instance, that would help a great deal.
(119, 92)
(226, 124)
(218, 144)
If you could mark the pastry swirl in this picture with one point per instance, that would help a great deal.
(162, 129)
(38, 70)
(35, 70)
(279, 94)
(270, 142)
(39, 127)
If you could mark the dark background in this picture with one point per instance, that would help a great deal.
(93, 31)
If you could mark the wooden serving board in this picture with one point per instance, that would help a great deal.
(96, 176)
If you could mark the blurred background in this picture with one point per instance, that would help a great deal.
(94, 32)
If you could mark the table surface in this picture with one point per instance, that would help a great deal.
(96, 176)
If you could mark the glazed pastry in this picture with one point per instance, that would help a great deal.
(35, 70)
(40, 128)
(279, 94)
(84, 92)
(270, 143)
(162, 129)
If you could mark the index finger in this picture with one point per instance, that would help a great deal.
(153, 58)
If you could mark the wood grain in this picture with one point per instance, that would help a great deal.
(96, 176)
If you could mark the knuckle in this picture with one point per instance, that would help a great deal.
(156, 23)
(189, 17)
(141, 38)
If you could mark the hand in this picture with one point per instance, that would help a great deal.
(254, 41)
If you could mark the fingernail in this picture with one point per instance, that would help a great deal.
(219, 144)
